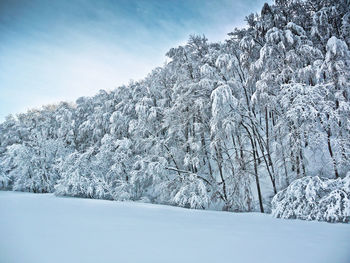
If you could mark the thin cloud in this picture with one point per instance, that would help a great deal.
(60, 50)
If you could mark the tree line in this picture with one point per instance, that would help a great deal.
(221, 125)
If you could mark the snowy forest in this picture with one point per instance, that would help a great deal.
(222, 126)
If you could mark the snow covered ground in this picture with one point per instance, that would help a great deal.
(42, 228)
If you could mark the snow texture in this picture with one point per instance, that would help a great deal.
(41, 228)
(314, 198)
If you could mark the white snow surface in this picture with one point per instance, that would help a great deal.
(43, 228)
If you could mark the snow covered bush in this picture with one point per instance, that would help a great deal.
(191, 193)
(314, 198)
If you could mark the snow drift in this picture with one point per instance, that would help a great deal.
(42, 228)
(314, 198)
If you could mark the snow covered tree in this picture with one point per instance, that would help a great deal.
(33, 164)
(334, 74)
(314, 198)
(219, 125)
(77, 175)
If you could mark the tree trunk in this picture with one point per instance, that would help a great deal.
(219, 162)
(331, 153)
(257, 182)
(254, 153)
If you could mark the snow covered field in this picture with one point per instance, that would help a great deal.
(42, 228)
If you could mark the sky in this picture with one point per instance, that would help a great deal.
(59, 50)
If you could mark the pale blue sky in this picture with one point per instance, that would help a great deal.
(54, 50)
